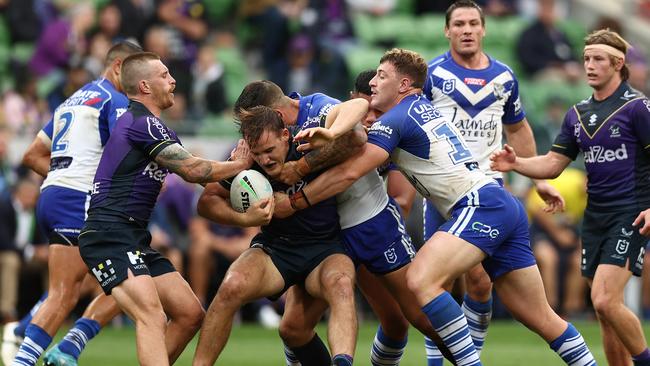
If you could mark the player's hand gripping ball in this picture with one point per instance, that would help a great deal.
(248, 187)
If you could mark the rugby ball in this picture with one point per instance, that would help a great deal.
(248, 187)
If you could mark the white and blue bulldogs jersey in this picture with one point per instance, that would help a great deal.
(477, 102)
(78, 132)
(429, 151)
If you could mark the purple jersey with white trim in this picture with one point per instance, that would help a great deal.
(614, 135)
(428, 150)
(128, 180)
(477, 102)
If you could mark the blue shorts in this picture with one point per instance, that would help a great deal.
(432, 219)
(381, 243)
(493, 220)
(61, 213)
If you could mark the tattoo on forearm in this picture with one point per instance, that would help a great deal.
(333, 153)
(180, 161)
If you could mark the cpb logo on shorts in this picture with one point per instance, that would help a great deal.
(485, 229)
(391, 256)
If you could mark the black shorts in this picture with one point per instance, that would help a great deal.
(610, 238)
(295, 260)
(111, 249)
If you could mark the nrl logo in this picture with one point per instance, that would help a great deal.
(448, 86)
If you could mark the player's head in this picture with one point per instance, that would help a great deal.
(266, 93)
(114, 57)
(145, 77)
(262, 128)
(362, 90)
(465, 27)
(400, 72)
(604, 58)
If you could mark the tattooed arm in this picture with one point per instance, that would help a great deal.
(197, 170)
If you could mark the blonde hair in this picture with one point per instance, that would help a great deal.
(612, 39)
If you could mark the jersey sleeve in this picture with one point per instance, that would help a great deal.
(151, 136)
(428, 85)
(48, 129)
(565, 143)
(513, 109)
(642, 124)
(385, 133)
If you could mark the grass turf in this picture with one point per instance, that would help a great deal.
(508, 344)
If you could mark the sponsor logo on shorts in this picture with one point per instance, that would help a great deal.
(104, 272)
(485, 229)
(391, 256)
(622, 246)
(639, 259)
(626, 233)
(136, 259)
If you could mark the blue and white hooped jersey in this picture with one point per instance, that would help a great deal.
(78, 132)
(429, 151)
(477, 102)
(367, 196)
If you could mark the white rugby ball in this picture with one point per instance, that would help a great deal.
(248, 187)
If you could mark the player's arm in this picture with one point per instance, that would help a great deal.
(540, 167)
(520, 136)
(213, 205)
(197, 170)
(37, 156)
(401, 190)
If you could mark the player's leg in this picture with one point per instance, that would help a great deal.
(14, 332)
(66, 272)
(333, 281)
(183, 309)
(251, 276)
(477, 304)
(302, 312)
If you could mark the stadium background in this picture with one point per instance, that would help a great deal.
(214, 47)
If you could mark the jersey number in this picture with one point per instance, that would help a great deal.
(459, 152)
(60, 144)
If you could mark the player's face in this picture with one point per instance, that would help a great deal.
(385, 87)
(599, 68)
(465, 31)
(162, 85)
(271, 151)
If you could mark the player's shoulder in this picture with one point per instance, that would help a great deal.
(439, 60)
(500, 66)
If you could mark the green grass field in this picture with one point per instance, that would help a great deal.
(508, 344)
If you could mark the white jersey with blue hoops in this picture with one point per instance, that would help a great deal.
(78, 132)
(477, 102)
(429, 151)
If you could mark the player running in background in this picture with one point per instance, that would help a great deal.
(612, 129)
(480, 96)
(302, 250)
(67, 152)
(485, 222)
(114, 242)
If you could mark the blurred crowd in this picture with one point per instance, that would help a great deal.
(50, 48)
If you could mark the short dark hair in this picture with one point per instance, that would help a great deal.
(362, 82)
(262, 92)
(612, 39)
(133, 70)
(121, 50)
(463, 4)
(408, 63)
(254, 121)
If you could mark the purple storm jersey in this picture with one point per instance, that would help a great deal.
(128, 179)
(614, 135)
(477, 102)
(313, 109)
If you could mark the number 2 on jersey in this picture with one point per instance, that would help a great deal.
(59, 144)
(459, 152)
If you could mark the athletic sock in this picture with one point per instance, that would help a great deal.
(342, 360)
(312, 353)
(642, 359)
(449, 322)
(434, 356)
(75, 341)
(35, 343)
(572, 348)
(24, 322)
(478, 316)
(386, 351)
(290, 358)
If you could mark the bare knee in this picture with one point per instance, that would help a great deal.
(190, 316)
(340, 287)
(604, 303)
(152, 319)
(232, 290)
(293, 332)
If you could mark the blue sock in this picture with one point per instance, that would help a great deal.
(478, 316)
(342, 360)
(572, 348)
(434, 356)
(386, 351)
(35, 343)
(75, 341)
(449, 322)
(24, 322)
(642, 359)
